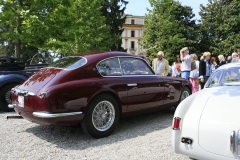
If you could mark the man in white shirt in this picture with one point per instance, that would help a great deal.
(160, 65)
(186, 63)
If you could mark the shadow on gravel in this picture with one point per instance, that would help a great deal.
(73, 138)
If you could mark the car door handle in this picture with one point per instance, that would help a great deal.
(232, 141)
(132, 84)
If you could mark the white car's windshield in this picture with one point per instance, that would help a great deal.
(227, 77)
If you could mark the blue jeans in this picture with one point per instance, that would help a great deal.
(185, 75)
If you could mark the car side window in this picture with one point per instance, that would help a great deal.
(109, 67)
(215, 79)
(134, 66)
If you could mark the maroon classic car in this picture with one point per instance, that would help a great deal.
(96, 90)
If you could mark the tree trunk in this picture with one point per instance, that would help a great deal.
(18, 30)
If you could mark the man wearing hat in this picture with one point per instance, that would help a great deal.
(186, 63)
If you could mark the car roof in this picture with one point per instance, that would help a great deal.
(104, 54)
(229, 65)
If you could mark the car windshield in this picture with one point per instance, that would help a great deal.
(69, 63)
(228, 77)
(231, 77)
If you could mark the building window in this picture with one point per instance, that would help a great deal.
(132, 45)
(132, 33)
(132, 21)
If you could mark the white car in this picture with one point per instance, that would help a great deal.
(206, 125)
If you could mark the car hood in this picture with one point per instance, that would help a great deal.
(39, 79)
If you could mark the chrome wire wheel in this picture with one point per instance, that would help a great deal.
(103, 115)
(8, 97)
(184, 95)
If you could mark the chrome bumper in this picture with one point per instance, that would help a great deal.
(54, 115)
(11, 105)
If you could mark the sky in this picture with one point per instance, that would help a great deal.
(138, 7)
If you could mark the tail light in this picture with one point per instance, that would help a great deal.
(176, 123)
(42, 94)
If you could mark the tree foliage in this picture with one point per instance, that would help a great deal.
(65, 26)
(169, 26)
(113, 11)
(219, 26)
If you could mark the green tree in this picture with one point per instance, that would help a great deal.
(113, 11)
(169, 26)
(69, 27)
(65, 26)
(219, 26)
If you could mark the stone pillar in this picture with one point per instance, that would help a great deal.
(126, 44)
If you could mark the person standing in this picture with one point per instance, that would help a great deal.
(221, 60)
(176, 67)
(204, 69)
(238, 52)
(213, 64)
(170, 71)
(160, 65)
(186, 63)
(194, 74)
(229, 59)
(235, 57)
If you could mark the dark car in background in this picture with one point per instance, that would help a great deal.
(96, 90)
(14, 71)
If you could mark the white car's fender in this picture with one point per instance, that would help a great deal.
(190, 111)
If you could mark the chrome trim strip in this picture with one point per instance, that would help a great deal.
(119, 62)
(133, 75)
(11, 105)
(132, 85)
(25, 92)
(54, 115)
(232, 141)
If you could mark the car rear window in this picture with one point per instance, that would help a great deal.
(69, 63)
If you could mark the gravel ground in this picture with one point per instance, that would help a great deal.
(141, 137)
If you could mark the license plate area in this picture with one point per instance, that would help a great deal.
(21, 101)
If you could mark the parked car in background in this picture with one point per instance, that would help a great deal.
(206, 125)
(96, 89)
(14, 71)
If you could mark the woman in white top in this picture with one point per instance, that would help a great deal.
(176, 67)
(194, 74)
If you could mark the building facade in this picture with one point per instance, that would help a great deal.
(131, 36)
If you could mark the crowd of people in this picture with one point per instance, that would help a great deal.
(190, 66)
